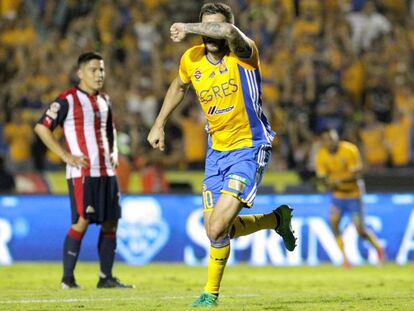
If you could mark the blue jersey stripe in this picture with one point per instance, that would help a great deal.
(260, 127)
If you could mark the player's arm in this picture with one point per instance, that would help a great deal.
(321, 171)
(54, 116)
(46, 135)
(173, 98)
(112, 138)
(238, 42)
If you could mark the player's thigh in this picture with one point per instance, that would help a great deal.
(110, 225)
(243, 177)
(225, 210)
(81, 225)
(76, 194)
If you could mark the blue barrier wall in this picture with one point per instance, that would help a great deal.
(169, 228)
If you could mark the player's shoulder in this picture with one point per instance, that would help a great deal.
(66, 93)
(346, 145)
(194, 53)
(321, 152)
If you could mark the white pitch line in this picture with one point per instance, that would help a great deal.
(74, 300)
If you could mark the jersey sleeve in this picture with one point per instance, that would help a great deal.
(355, 162)
(184, 70)
(55, 114)
(253, 61)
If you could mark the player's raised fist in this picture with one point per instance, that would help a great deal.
(156, 138)
(178, 32)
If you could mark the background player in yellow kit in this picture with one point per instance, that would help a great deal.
(339, 164)
(225, 73)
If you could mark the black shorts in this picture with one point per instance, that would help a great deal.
(94, 198)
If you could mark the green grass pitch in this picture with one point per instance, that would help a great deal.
(35, 286)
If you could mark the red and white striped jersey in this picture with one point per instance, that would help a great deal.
(88, 129)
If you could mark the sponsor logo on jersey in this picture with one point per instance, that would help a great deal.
(212, 74)
(223, 67)
(218, 91)
(213, 110)
(197, 74)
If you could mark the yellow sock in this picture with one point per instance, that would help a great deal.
(216, 265)
(373, 239)
(341, 247)
(248, 224)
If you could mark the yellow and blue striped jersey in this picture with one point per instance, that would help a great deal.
(342, 164)
(230, 95)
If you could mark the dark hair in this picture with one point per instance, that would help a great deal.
(88, 56)
(217, 8)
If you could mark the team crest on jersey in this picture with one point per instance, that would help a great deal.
(197, 74)
(53, 110)
(223, 67)
(213, 110)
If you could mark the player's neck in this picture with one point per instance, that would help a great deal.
(215, 58)
(82, 87)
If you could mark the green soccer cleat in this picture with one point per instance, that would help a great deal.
(205, 300)
(285, 229)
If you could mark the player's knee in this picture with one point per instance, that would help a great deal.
(110, 225)
(81, 225)
(362, 233)
(216, 232)
(335, 229)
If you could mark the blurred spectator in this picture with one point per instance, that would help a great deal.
(367, 26)
(7, 182)
(19, 135)
(153, 176)
(372, 134)
(324, 63)
(397, 137)
(194, 136)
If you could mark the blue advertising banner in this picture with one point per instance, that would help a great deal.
(169, 228)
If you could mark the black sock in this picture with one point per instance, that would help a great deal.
(106, 250)
(277, 219)
(71, 249)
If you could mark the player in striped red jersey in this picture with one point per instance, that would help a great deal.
(91, 155)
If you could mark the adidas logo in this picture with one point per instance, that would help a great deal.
(90, 210)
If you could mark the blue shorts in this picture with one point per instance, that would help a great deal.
(236, 172)
(351, 206)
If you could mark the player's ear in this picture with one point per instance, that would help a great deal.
(79, 74)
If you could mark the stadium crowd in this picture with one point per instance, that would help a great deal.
(325, 63)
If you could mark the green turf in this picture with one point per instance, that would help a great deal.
(30, 286)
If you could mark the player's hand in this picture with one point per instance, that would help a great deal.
(156, 138)
(76, 161)
(178, 32)
(114, 159)
(333, 184)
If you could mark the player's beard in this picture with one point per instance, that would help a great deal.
(215, 46)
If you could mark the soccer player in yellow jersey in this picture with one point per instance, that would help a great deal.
(225, 73)
(339, 165)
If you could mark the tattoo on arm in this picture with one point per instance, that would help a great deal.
(241, 47)
(238, 42)
(213, 30)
